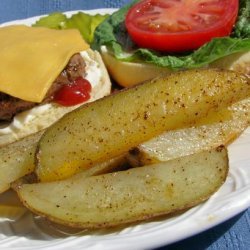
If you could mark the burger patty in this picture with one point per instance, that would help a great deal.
(10, 106)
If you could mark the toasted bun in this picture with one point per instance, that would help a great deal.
(42, 116)
(128, 74)
(239, 62)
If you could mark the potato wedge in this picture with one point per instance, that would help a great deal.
(113, 125)
(17, 159)
(177, 143)
(128, 196)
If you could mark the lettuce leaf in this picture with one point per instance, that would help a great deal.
(242, 27)
(53, 21)
(84, 22)
(113, 34)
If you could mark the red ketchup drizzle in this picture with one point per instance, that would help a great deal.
(75, 93)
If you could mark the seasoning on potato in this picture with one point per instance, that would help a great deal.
(181, 142)
(17, 159)
(115, 124)
(128, 196)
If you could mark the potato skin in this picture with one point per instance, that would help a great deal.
(113, 125)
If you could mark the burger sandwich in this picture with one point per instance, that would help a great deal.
(44, 74)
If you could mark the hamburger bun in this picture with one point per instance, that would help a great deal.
(127, 74)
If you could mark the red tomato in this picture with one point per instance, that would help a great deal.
(180, 25)
(74, 93)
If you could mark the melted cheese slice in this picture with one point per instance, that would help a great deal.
(32, 58)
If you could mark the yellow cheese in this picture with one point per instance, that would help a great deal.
(32, 58)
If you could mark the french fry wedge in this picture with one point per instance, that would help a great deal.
(177, 143)
(113, 125)
(17, 159)
(128, 196)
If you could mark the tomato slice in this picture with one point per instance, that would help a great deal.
(180, 25)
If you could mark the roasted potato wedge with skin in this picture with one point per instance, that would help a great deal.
(128, 196)
(115, 124)
(177, 143)
(17, 159)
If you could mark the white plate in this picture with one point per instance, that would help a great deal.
(25, 232)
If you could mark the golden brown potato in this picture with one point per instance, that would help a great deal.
(176, 143)
(113, 125)
(128, 196)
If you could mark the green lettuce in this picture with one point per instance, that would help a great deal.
(52, 21)
(113, 34)
(84, 22)
(242, 27)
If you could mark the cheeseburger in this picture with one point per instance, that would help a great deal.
(44, 74)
